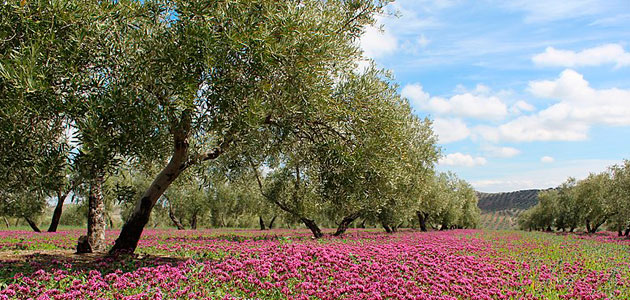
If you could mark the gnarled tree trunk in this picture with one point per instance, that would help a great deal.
(32, 224)
(54, 222)
(387, 228)
(193, 221)
(261, 222)
(345, 223)
(132, 230)
(271, 222)
(310, 224)
(422, 219)
(96, 214)
(171, 214)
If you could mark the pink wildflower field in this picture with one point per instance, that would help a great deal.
(281, 264)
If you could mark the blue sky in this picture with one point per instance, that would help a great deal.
(523, 93)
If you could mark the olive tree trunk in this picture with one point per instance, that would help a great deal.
(32, 224)
(310, 224)
(345, 223)
(422, 219)
(96, 214)
(262, 223)
(171, 214)
(271, 222)
(132, 229)
(54, 222)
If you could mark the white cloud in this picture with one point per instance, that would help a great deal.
(596, 56)
(450, 130)
(521, 106)
(541, 177)
(578, 107)
(503, 152)
(547, 159)
(460, 159)
(477, 104)
(377, 41)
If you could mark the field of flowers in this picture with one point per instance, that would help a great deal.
(279, 264)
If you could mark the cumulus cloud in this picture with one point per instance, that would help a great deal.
(521, 106)
(596, 56)
(477, 104)
(578, 106)
(450, 130)
(502, 152)
(377, 41)
(547, 159)
(460, 159)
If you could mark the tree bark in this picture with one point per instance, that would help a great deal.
(310, 224)
(96, 214)
(387, 228)
(132, 230)
(261, 222)
(345, 223)
(32, 224)
(54, 222)
(588, 226)
(627, 232)
(271, 222)
(422, 219)
(171, 214)
(193, 221)
(6, 222)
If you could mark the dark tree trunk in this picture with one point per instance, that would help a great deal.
(597, 225)
(387, 228)
(422, 219)
(171, 214)
(132, 230)
(96, 215)
(6, 222)
(317, 233)
(619, 233)
(345, 223)
(627, 232)
(261, 222)
(572, 229)
(54, 222)
(549, 228)
(32, 224)
(588, 226)
(271, 222)
(193, 221)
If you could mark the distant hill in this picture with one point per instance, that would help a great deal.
(500, 210)
(521, 200)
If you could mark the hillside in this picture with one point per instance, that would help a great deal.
(503, 201)
(500, 210)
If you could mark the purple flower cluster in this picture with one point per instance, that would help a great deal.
(461, 264)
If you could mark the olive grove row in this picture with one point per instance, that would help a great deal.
(598, 200)
(173, 104)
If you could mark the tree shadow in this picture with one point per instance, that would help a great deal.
(28, 262)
